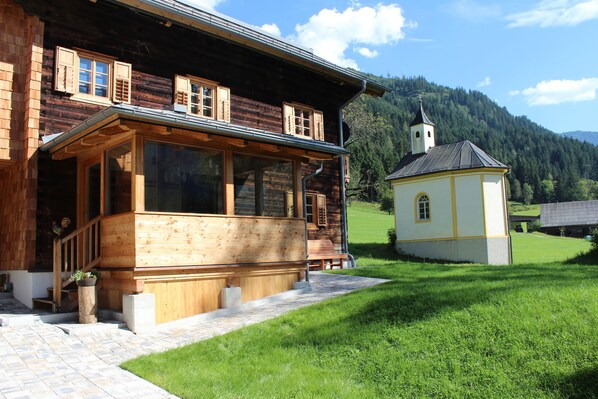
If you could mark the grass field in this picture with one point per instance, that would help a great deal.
(446, 331)
(519, 209)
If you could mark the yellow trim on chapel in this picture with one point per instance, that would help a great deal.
(432, 176)
(483, 205)
(454, 208)
(451, 238)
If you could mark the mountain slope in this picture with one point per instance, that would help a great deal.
(590, 137)
(380, 137)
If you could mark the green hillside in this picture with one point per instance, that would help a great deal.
(545, 166)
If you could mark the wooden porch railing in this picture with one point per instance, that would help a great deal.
(80, 250)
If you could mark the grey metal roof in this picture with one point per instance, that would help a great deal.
(421, 116)
(576, 213)
(458, 156)
(191, 122)
(233, 30)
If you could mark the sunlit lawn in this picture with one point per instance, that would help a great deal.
(436, 331)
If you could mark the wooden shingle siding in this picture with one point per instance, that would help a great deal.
(20, 80)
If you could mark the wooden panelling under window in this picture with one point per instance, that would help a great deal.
(162, 240)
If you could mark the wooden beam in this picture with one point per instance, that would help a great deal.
(163, 130)
(112, 130)
(236, 142)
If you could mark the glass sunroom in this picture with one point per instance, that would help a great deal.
(186, 206)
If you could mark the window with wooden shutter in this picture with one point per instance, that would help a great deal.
(318, 125)
(288, 116)
(202, 97)
(64, 73)
(182, 88)
(322, 217)
(302, 121)
(223, 108)
(92, 77)
(121, 89)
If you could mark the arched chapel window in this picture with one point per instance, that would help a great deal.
(429, 134)
(417, 135)
(423, 207)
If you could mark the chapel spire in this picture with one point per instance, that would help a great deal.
(422, 132)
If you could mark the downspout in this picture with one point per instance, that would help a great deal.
(344, 229)
(303, 185)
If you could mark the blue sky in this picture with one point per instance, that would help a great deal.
(536, 58)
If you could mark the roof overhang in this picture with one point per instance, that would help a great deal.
(249, 36)
(123, 119)
(437, 174)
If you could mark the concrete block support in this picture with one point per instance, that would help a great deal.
(139, 312)
(230, 297)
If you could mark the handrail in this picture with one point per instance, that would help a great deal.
(81, 229)
(80, 250)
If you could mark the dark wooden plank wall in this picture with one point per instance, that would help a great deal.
(259, 83)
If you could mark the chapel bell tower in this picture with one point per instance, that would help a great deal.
(422, 132)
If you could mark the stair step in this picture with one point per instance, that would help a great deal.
(64, 292)
(43, 303)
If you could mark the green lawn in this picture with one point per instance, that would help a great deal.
(435, 330)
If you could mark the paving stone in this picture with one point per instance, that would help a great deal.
(42, 361)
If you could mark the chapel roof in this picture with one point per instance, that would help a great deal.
(449, 157)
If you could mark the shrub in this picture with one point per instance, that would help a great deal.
(392, 236)
(595, 241)
(536, 225)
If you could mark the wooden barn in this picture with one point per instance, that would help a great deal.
(176, 140)
(575, 218)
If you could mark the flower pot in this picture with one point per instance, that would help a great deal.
(88, 307)
(87, 282)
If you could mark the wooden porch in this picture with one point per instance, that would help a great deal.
(239, 222)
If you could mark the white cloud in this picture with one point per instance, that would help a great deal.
(472, 11)
(366, 52)
(209, 4)
(330, 32)
(485, 82)
(552, 92)
(549, 13)
(272, 29)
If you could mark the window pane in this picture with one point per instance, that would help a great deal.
(101, 91)
(85, 64)
(309, 208)
(85, 82)
(183, 179)
(101, 68)
(262, 186)
(118, 187)
(101, 80)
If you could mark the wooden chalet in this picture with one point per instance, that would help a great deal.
(176, 140)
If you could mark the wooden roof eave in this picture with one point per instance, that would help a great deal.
(115, 123)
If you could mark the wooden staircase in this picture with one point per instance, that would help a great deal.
(80, 250)
(69, 299)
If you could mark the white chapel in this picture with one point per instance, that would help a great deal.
(450, 200)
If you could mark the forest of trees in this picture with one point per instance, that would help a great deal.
(545, 167)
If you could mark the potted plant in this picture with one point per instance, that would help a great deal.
(84, 279)
(87, 296)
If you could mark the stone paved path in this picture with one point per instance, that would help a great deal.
(41, 361)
